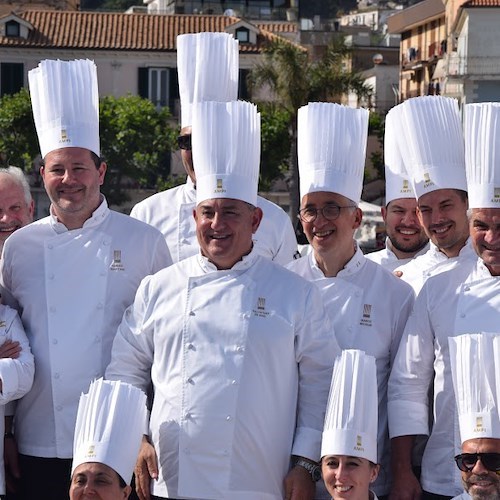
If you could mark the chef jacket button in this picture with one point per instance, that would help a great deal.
(349, 328)
(185, 241)
(190, 381)
(105, 242)
(50, 247)
(187, 416)
(228, 418)
(51, 276)
(467, 288)
(102, 273)
(52, 309)
(190, 346)
(240, 349)
(191, 313)
(59, 408)
(98, 340)
(100, 305)
(54, 341)
(56, 375)
(233, 382)
(186, 451)
(225, 452)
(462, 315)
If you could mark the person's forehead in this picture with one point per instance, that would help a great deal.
(482, 445)
(94, 468)
(222, 203)
(74, 155)
(321, 197)
(405, 203)
(8, 186)
(437, 197)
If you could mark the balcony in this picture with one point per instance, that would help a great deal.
(467, 67)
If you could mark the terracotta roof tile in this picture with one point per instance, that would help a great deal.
(120, 31)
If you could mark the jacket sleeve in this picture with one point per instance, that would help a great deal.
(412, 374)
(316, 351)
(16, 374)
(133, 346)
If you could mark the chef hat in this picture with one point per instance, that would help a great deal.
(351, 415)
(110, 423)
(397, 182)
(474, 372)
(207, 65)
(432, 144)
(331, 149)
(226, 150)
(65, 102)
(482, 154)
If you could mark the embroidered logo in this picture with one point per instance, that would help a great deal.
(496, 195)
(359, 444)
(219, 187)
(479, 425)
(260, 310)
(64, 136)
(91, 451)
(366, 320)
(405, 188)
(427, 181)
(117, 265)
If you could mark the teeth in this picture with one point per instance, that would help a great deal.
(407, 232)
(322, 233)
(442, 230)
(219, 237)
(343, 488)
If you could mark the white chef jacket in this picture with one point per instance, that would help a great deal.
(418, 270)
(368, 308)
(388, 259)
(241, 363)
(72, 288)
(16, 374)
(463, 299)
(463, 496)
(171, 212)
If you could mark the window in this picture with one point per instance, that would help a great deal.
(12, 28)
(242, 35)
(11, 78)
(159, 85)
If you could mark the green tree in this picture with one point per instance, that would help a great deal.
(136, 140)
(18, 140)
(295, 80)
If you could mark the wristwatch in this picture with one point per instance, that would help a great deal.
(313, 469)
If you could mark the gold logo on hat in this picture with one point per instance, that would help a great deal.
(406, 186)
(359, 444)
(220, 187)
(496, 194)
(427, 180)
(91, 451)
(64, 136)
(479, 425)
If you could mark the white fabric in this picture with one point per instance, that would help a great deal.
(388, 259)
(463, 496)
(482, 154)
(463, 300)
(226, 150)
(331, 142)
(71, 288)
(376, 330)
(431, 137)
(241, 362)
(110, 423)
(16, 374)
(350, 422)
(207, 65)
(397, 181)
(433, 262)
(474, 371)
(171, 212)
(65, 102)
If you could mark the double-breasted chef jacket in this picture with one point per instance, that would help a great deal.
(16, 374)
(388, 259)
(368, 309)
(171, 212)
(463, 299)
(418, 270)
(241, 363)
(71, 289)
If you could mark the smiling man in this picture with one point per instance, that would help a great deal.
(16, 204)
(406, 238)
(434, 160)
(238, 349)
(463, 298)
(475, 364)
(367, 305)
(71, 274)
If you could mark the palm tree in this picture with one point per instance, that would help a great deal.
(294, 80)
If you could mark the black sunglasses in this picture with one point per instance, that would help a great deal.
(467, 461)
(184, 142)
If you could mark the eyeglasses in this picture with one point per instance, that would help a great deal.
(329, 212)
(467, 461)
(184, 142)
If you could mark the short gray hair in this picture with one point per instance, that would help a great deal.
(18, 176)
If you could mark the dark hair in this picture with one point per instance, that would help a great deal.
(463, 194)
(121, 481)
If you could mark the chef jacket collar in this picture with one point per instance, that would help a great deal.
(96, 218)
(242, 265)
(352, 267)
(190, 190)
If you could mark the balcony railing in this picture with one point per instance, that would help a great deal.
(462, 66)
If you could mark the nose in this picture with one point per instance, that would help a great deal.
(492, 237)
(68, 176)
(217, 221)
(479, 468)
(410, 219)
(341, 472)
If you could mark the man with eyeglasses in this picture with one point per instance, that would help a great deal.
(368, 306)
(475, 364)
(208, 71)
